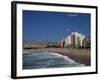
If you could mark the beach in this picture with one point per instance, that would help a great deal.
(82, 56)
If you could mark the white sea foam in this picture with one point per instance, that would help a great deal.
(66, 58)
(26, 51)
(46, 59)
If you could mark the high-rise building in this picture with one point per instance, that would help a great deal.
(62, 43)
(87, 42)
(75, 39)
(68, 41)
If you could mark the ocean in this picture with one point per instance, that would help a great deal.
(44, 59)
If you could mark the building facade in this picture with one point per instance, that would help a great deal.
(75, 39)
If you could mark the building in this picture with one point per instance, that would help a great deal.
(62, 42)
(75, 39)
(87, 42)
(68, 41)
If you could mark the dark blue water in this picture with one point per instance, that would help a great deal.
(37, 60)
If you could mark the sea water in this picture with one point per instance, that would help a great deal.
(44, 59)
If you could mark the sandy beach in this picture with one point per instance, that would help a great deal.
(82, 56)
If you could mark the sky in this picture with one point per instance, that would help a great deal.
(53, 26)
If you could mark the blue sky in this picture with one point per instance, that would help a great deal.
(52, 26)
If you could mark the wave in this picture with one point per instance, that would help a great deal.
(66, 58)
(44, 59)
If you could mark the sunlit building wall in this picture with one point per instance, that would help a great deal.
(75, 39)
(68, 41)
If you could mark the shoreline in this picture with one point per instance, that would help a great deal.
(81, 56)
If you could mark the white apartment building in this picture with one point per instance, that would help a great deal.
(62, 43)
(75, 39)
(68, 41)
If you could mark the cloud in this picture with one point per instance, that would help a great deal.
(73, 15)
(67, 30)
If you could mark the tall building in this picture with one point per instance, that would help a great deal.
(87, 42)
(75, 39)
(68, 41)
(62, 43)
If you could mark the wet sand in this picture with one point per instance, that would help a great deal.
(82, 56)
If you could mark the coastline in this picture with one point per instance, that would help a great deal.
(82, 56)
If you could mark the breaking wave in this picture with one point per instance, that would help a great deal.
(36, 60)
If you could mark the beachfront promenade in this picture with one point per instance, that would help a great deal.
(82, 56)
